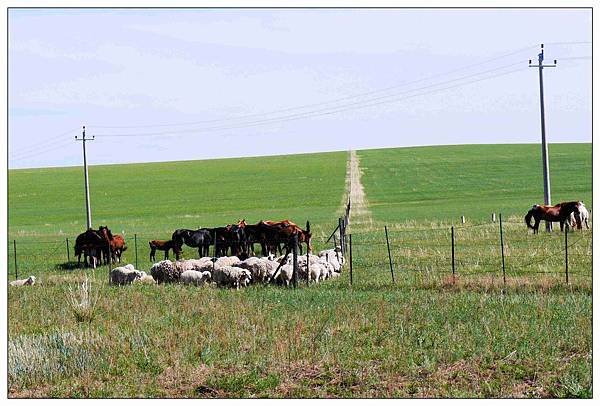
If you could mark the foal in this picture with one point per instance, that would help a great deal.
(163, 245)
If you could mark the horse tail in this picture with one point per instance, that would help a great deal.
(528, 217)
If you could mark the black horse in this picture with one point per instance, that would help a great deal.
(200, 239)
(90, 242)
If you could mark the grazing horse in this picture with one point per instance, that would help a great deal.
(560, 212)
(115, 244)
(90, 244)
(200, 239)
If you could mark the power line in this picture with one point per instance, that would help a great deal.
(358, 95)
(42, 144)
(317, 113)
(33, 154)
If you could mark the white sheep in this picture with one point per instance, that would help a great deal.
(326, 270)
(227, 261)
(145, 279)
(199, 265)
(231, 276)
(166, 271)
(195, 278)
(261, 269)
(125, 275)
(334, 257)
(24, 282)
(284, 274)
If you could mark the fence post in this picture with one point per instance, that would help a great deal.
(502, 250)
(566, 256)
(295, 260)
(135, 246)
(453, 267)
(68, 253)
(389, 254)
(109, 261)
(462, 219)
(15, 254)
(350, 238)
(341, 225)
(493, 217)
(215, 245)
(307, 266)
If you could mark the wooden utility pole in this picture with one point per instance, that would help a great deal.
(541, 66)
(88, 209)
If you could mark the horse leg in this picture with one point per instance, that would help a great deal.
(536, 226)
(152, 254)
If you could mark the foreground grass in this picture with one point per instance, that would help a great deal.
(330, 340)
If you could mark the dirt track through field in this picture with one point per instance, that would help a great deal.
(360, 215)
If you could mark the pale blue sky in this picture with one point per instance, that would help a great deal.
(234, 76)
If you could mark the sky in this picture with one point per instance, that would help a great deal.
(185, 84)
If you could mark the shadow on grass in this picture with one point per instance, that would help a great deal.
(70, 266)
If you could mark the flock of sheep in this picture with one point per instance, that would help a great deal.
(233, 272)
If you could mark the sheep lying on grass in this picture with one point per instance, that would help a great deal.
(145, 279)
(195, 278)
(24, 282)
(231, 276)
(125, 275)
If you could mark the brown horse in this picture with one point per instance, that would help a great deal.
(560, 212)
(116, 243)
(163, 245)
(271, 235)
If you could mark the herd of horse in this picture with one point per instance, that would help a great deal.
(272, 236)
(99, 245)
(569, 214)
(233, 239)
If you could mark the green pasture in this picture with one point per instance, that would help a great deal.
(427, 334)
(446, 182)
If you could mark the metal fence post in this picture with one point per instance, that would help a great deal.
(341, 225)
(350, 238)
(15, 254)
(215, 240)
(502, 250)
(68, 253)
(389, 254)
(453, 267)
(135, 246)
(307, 266)
(295, 260)
(566, 256)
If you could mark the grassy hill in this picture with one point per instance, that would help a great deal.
(445, 182)
(157, 198)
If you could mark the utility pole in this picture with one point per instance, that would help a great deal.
(541, 66)
(87, 185)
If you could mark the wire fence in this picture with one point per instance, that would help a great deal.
(490, 248)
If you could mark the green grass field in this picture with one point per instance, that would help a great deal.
(445, 182)
(422, 336)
